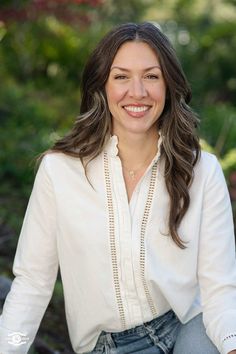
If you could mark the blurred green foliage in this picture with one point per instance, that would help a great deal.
(43, 48)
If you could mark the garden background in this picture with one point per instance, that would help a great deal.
(43, 47)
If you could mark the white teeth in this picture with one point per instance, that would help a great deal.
(136, 109)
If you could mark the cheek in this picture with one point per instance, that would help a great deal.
(114, 94)
(159, 94)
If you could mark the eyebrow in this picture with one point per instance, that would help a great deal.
(147, 69)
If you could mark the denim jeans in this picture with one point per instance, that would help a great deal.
(155, 337)
(192, 338)
(164, 334)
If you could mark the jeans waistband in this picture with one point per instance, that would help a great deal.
(142, 329)
(165, 322)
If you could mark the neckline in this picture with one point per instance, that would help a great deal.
(112, 147)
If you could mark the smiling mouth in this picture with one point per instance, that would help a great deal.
(136, 109)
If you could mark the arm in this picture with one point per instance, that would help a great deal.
(35, 269)
(216, 263)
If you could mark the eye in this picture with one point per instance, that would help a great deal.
(152, 76)
(120, 77)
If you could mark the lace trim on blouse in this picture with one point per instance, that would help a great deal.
(232, 335)
(142, 240)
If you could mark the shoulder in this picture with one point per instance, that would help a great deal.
(208, 168)
(54, 163)
(207, 162)
(207, 158)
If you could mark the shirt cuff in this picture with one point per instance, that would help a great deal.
(229, 343)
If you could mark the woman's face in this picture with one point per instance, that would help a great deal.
(135, 89)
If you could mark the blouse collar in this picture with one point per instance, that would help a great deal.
(112, 147)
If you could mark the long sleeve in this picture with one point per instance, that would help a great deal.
(35, 269)
(217, 266)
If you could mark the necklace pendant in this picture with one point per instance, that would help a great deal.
(132, 174)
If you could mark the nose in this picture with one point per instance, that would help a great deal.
(137, 89)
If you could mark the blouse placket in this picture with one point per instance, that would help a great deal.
(131, 288)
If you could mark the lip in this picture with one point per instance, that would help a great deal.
(138, 114)
(137, 104)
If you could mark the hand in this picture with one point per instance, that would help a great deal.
(232, 352)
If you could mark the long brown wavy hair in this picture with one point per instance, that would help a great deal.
(180, 147)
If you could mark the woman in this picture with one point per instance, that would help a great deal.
(138, 220)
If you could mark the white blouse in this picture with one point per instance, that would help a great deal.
(119, 267)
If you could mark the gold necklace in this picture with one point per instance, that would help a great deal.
(132, 173)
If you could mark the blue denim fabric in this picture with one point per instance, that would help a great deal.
(192, 338)
(155, 337)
